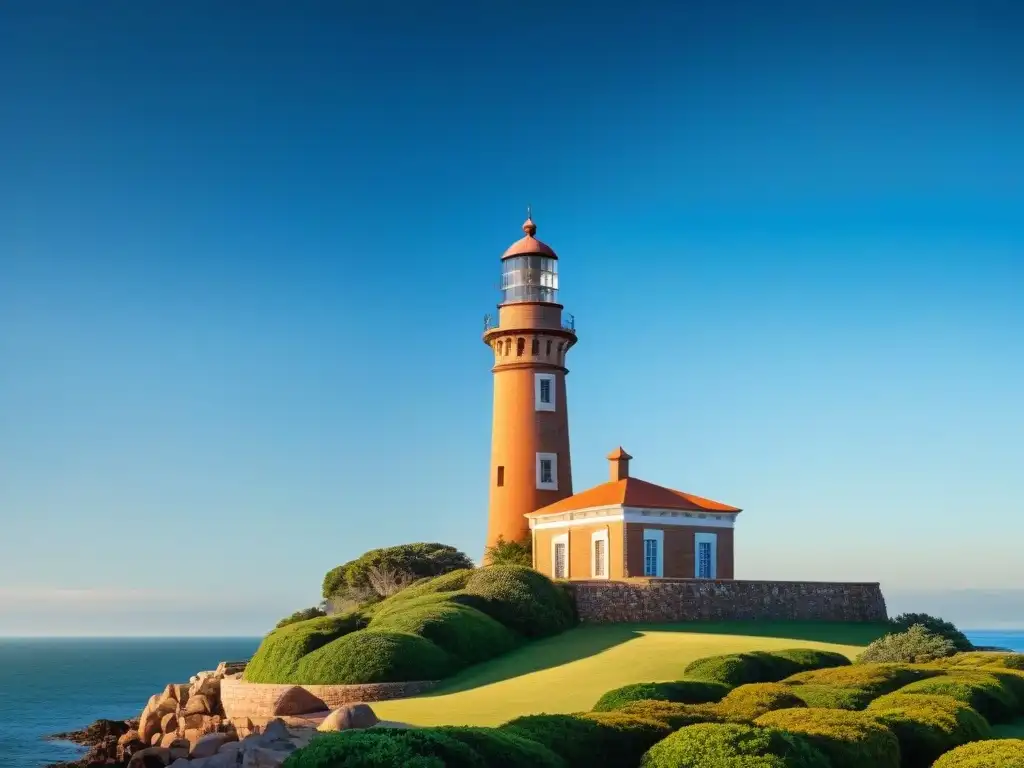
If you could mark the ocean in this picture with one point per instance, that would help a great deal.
(55, 685)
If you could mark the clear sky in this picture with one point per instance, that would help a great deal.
(246, 250)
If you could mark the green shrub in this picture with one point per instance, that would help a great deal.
(625, 738)
(592, 740)
(576, 740)
(448, 583)
(732, 746)
(998, 753)
(384, 748)
(1013, 661)
(672, 713)
(806, 659)
(503, 749)
(873, 679)
(983, 692)
(277, 657)
(468, 635)
(522, 599)
(368, 656)
(681, 691)
(928, 725)
(304, 614)
(848, 739)
(761, 666)
(831, 696)
(731, 669)
(410, 561)
(947, 629)
(748, 702)
(975, 659)
(915, 646)
(504, 552)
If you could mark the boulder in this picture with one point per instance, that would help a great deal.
(181, 693)
(169, 723)
(207, 686)
(275, 730)
(348, 717)
(179, 748)
(297, 701)
(198, 704)
(148, 725)
(191, 721)
(167, 739)
(210, 744)
(155, 739)
(193, 735)
(153, 757)
(166, 705)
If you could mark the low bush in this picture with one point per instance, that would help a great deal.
(848, 739)
(673, 714)
(522, 599)
(832, 697)
(368, 656)
(748, 702)
(762, 666)
(625, 738)
(304, 614)
(681, 691)
(873, 679)
(385, 748)
(928, 726)
(727, 746)
(502, 749)
(450, 582)
(731, 669)
(986, 693)
(575, 740)
(915, 646)
(806, 659)
(998, 753)
(592, 740)
(277, 657)
(947, 629)
(407, 562)
(468, 635)
(1013, 661)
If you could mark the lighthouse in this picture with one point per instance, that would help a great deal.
(530, 464)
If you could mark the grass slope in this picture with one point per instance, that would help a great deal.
(569, 672)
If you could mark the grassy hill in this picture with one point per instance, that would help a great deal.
(568, 672)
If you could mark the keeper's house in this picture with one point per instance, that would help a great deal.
(628, 527)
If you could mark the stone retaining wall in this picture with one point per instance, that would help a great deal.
(663, 600)
(255, 701)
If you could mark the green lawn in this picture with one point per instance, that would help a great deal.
(569, 672)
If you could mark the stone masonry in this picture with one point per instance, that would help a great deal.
(241, 699)
(665, 600)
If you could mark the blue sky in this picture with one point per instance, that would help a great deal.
(246, 249)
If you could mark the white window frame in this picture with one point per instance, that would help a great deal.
(705, 538)
(537, 403)
(553, 485)
(555, 541)
(597, 536)
(657, 535)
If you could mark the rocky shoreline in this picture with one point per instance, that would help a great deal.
(185, 726)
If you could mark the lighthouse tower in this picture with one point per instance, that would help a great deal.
(530, 466)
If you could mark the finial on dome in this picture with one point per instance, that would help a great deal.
(528, 226)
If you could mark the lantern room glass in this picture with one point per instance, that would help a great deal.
(529, 278)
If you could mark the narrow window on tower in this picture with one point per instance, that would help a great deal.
(501, 477)
(547, 471)
(508, 347)
(548, 348)
(544, 391)
(520, 346)
(535, 347)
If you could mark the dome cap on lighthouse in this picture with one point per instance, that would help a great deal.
(529, 245)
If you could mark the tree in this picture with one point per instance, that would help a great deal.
(404, 564)
(303, 615)
(504, 552)
(947, 629)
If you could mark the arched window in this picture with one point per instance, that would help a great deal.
(548, 353)
(520, 346)
(535, 347)
(508, 346)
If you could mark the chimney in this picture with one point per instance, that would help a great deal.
(618, 465)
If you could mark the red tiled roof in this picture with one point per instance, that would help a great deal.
(633, 492)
